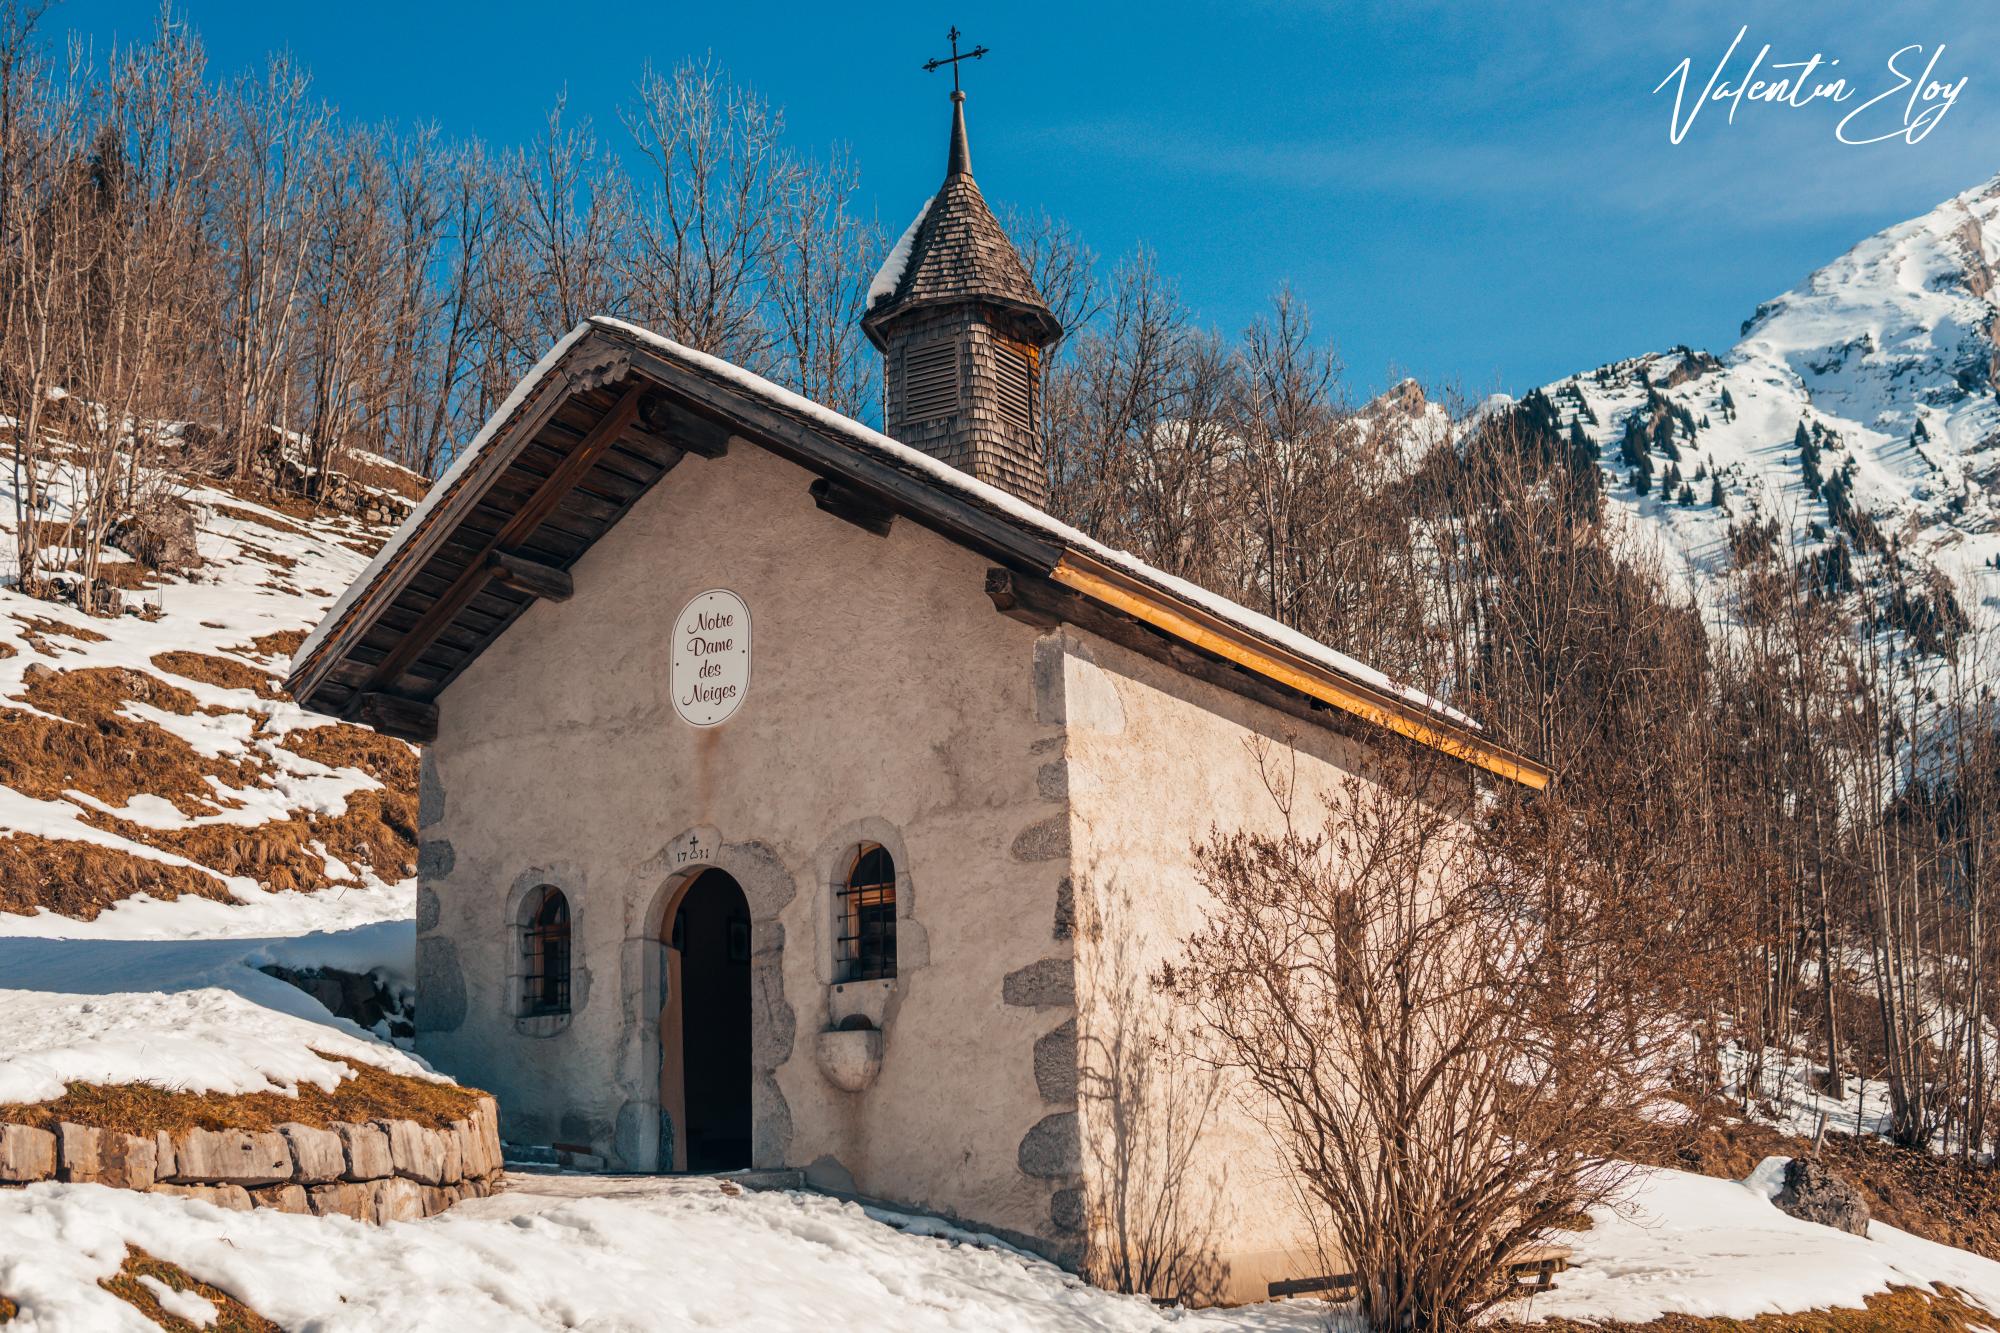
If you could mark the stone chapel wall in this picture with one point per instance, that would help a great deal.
(1182, 1187)
(888, 702)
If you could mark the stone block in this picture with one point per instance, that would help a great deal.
(437, 1198)
(471, 1149)
(231, 1157)
(283, 1198)
(79, 1153)
(397, 1200)
(347, 1199)
(232, 1197)
(317, 1156)
(454, 1156)
(163, 1155)
(418, 1153)
(1053, 1147)
(1055, 1064)
(366, 1149)
(1815, 1193)
(26, 1154)
(128, 1161)
(486, 1121)
(1066, 1210)
(1047, 840)
(1049, 983)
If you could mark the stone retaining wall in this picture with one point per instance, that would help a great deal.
(381, 1171)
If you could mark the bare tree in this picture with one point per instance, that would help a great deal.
(1413, 997)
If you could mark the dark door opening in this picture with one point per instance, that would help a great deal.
(712, 932)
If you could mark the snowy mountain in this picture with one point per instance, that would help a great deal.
(1888, 361)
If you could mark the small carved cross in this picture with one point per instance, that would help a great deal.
(955, 57)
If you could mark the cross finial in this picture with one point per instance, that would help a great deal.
(941, 61)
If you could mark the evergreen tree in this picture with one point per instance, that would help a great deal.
(1715, 493)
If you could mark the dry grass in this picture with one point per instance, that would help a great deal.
(89, 746)
(222, 671)
(1900, 1308)
(265, 555)
(278, 643)
(80, 879)
(384, 758)
(129, 575)
(378, 830)
(231, 1315)
(291, 506)
(396, 480)
(38, 630)
(139, 1108)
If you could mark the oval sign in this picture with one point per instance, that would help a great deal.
(711, 657)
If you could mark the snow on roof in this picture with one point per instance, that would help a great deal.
(883, 286)
(903, 456)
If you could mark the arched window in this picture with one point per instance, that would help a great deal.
(545, 953)
(866, 949)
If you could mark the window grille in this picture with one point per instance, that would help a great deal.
(866, 947)
(930, 380)
(1016, 387)
(545, 951)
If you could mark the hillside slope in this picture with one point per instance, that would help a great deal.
(153, 753)
(1888, 358)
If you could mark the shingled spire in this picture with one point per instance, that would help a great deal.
(962, 329)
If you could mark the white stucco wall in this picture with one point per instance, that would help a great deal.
(1042, 794)
(888, 702)
(1186, 1190)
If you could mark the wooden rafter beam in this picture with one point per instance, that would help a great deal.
(854, 506)
(413, 720)
(526, 519)
(536, 578)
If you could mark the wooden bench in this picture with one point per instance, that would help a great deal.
(1532, 1267)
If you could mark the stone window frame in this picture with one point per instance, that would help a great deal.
(874, 1000)
(522, 899)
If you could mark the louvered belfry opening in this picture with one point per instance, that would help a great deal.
(930, 380)
(962, 333)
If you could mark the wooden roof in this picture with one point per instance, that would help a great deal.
(960, 254)
(615, 409)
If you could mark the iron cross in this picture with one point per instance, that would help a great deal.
(941, 61)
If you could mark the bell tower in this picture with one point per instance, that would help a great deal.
(962, 330)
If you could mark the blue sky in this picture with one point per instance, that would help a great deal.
(1484, 196)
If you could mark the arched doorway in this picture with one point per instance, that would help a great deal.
(705, 1026)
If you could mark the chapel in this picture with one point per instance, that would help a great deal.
(801, 797)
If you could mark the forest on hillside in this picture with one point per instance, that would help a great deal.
(1769, 843)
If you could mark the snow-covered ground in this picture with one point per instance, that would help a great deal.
(615, 1253)
(637, 1254)
(170, 993)
(1687, 1244)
